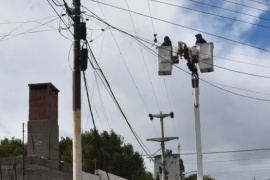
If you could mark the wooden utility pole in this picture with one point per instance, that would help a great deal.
(76, 86)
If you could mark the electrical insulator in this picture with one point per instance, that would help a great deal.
(83, 30)
(84, 59)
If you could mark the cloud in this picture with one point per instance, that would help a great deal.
(227, 121)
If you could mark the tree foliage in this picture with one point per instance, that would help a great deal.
(11, 147)
(108, 152)
(194, 177)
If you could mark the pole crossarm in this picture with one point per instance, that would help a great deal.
(162, 139)
(165, 139)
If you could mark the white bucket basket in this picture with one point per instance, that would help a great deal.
(164, 60)
(206, 57)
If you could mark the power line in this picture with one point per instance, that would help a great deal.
(259, 2)
(148, 4)
(30, 32)
(60, 17)
(25, 32)
(233, 151)
(179, 25)
(119, 107)
(240, 88)
(151, 83)
(57, 4)
(234, 19)
(239, 72)
(241, 62)
(238, 12)
(251, 7)
(249, 97)
(123, 59)
(228, 91)
(21, 22)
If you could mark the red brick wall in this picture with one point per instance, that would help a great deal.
(43, 104)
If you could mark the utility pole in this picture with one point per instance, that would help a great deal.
(202, 55)
(195, 86)
(76, 86)
(23, 152)
(162, 140)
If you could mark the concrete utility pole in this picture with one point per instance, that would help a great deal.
(195, 86)
(162, 140)
(23, 152)
(76, 86)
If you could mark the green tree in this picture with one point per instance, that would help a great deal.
(65, 150)
(194, 177)
(108, 152)
(11, 147)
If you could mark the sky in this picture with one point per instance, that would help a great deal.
(35, 52)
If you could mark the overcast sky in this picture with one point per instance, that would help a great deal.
(34, 53)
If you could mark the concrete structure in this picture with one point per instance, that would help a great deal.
(35, 168)
(42, 160)
(174, 166)
(43, 130)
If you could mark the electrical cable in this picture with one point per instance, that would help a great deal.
(186, 27)
(57, 4)
(241, 62)
(235, 71)
(21, 22)
(60, 17)
(148, 4)
(234, 19)
(24, 32)
(123, 59)
(259, 2)
(95, 130)
(251, 7)
(257, 92)
(231, 92)
(232, 151)
(31, 32)
(238, 12)
(249, 97)
(151, 83)
(120, 109)
(88, 99)
(151, 41)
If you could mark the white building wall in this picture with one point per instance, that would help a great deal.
(172, 166)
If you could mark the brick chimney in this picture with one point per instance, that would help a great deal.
(43, 130)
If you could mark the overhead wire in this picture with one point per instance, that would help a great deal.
(30, 32)
(259, 2)
(148, 4)
(29, 21)
(238, 12)
(204, 12)
(186, 27)
(235, 71)
(243, 5)
(231, 92)
(24, 32)
(145, 149)
(226, 90)
(146, 67)
(242, 89)
(123, 59)
(231, 151)
(59, 17)
(224, 50)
